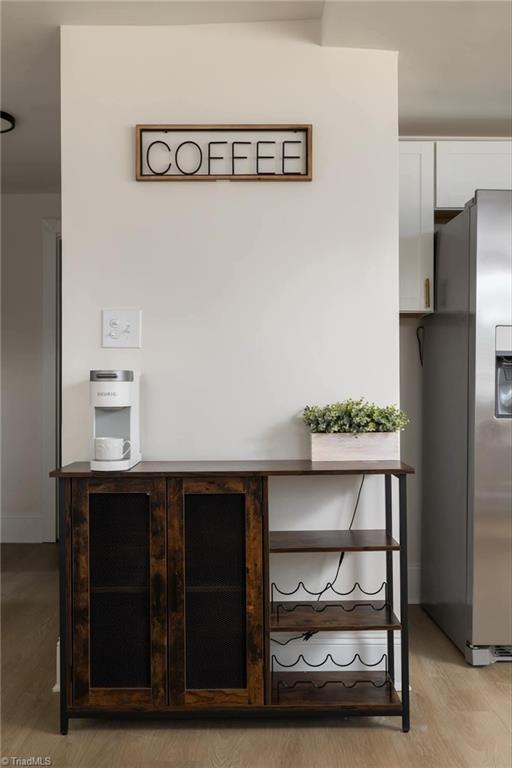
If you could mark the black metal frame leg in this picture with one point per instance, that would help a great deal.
(389, 576)
(404, 603)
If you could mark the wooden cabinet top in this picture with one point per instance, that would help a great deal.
(241, 468)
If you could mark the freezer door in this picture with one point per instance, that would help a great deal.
(490, 429)
(445, 437)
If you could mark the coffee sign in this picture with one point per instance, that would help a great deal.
(223, 152)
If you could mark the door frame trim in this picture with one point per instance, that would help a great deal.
(50, 375)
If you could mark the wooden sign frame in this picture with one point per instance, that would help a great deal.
(304, 128)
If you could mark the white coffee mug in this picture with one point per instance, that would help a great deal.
(111, 448)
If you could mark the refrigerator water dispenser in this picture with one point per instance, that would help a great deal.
(503, 372)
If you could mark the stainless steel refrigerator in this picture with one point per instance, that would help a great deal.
(467, 432)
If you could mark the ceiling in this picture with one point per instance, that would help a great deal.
(454, 64)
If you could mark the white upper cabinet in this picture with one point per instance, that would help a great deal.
(416, 221)
(465, 166)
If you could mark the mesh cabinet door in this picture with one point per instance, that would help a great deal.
(119, 593)
(215, 582)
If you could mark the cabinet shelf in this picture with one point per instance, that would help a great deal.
(112, 590)
(352, 690)
(327, 615)
(215, 588)
(332, 541)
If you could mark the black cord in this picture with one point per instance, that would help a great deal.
(342, 555)
(307, 635)
(420, 333)
(304, 636)
(357, 502)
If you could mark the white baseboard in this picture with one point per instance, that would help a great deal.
(56, 687)
(21, 529)
(371, 646)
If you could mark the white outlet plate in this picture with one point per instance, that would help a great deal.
(121, 328)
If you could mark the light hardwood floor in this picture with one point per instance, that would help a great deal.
(461, 716)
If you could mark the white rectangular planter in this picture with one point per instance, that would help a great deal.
(368, 446)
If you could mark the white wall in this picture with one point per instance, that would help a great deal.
(22, 296)
(257, 298)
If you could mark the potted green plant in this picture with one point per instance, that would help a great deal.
(355, 430)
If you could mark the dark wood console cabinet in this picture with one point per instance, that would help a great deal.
(165, 598)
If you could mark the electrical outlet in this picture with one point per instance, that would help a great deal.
(121, 328)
